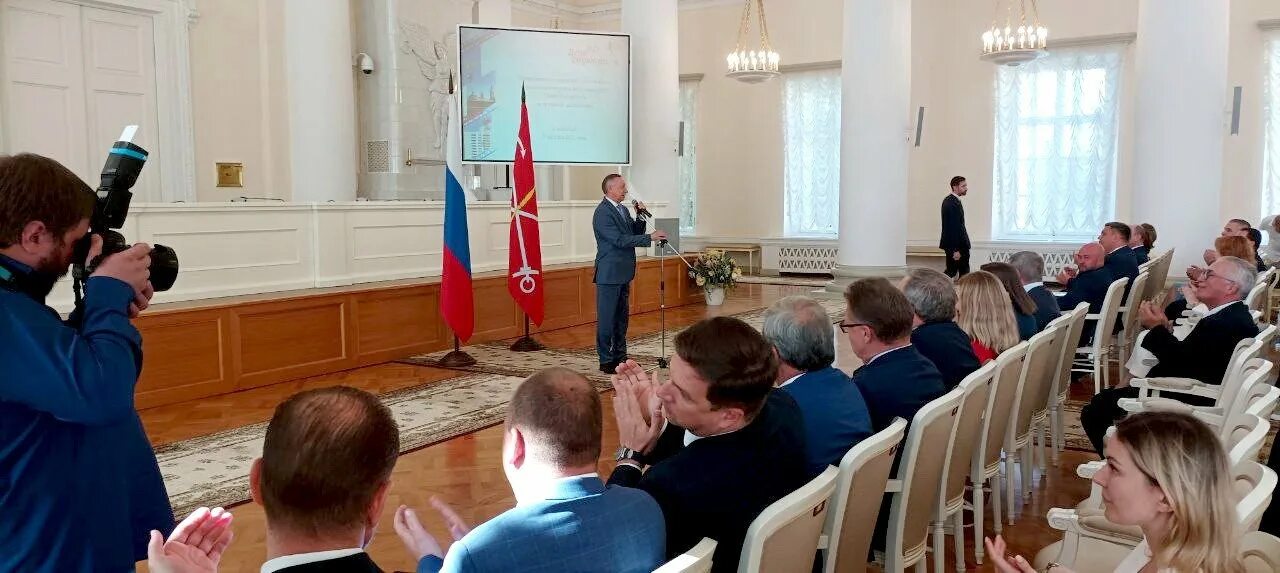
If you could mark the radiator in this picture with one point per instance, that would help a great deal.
(1054, 260)
(806, 259)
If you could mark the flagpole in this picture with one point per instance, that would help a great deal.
(526, 343)
(456, 358)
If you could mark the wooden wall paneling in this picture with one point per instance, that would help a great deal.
(394, 323)
(588, 286)
(644, 289)
(186, 356)
(294, 339)
(564, 300)
(497, 315)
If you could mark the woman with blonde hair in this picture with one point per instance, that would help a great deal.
(985, 312)
(1167, 474)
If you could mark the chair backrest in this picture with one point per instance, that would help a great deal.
(1108, 314)
(851, 520)
(1137, 294)
(1266, 277)
(1247, 349)
(1040, 362)
(1256, 300)
(1267, 336)
(1242, 436)
(921, 472)
(1236, 379)
(1161, 276)
(1000, 401)
(1246, 386)
(1260, 552)
(696, 560)
(1254, 483)
(1262, 401)
(784, 537)
(1076, 326)
(977, 389)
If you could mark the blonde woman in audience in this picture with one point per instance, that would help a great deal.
(985, 312)
(1167, 474)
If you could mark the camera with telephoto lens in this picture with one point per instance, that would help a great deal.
(111, 207)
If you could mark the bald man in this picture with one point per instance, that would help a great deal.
(1087, 282)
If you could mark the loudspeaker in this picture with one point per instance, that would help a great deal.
(672, 227)
(919, 124)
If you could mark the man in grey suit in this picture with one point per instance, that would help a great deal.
(617, 236)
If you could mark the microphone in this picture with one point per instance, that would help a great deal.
(641, 211)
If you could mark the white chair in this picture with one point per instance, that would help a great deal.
(985, 465)
(851, 519)
(1238, 392)
(1256, 484)
(915, 488)
(696, 560)
(1093, 359)
(1033, 393)
(784, 537)
(1260, 552)
(1062, 384)
(1221, 391)
(976, 387)
(1130, 327)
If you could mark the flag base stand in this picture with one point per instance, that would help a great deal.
(456, 358)
(526, 343)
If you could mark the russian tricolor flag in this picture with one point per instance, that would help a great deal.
(456, 299)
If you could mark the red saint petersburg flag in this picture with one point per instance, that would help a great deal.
(525, 263)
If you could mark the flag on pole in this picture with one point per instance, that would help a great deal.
(525, 262)
(456, 299)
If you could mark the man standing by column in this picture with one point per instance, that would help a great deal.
(955, 238)
(617, 236)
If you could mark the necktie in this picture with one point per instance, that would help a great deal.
(622, 209)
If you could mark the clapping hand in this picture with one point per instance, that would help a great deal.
(1150, 316)
(1067, 274)
(1006, 563)
(195, 546)
(637, 407)
(416, 538)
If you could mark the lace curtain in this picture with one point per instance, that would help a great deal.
(689, 161)
(811, 166)
(1055, 145)
(1271, 128)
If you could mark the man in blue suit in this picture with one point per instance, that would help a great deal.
(835, 416)
(1030, 268)
(565, 518)
(1088, 282)
(618, 235)
(1121, 260)
(79, 484)
(934, 331)
(894, 378)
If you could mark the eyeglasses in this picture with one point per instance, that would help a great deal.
(845, 326)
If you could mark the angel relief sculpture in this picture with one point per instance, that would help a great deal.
(435, 62)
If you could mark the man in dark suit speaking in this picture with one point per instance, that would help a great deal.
(617, 236)
(955, 238)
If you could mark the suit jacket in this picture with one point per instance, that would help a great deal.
(1027, 325)
(1123, 263)
(580, 526)
(1089, 286)
(835, 416)
(1206, 351)
(897, 384)
(954, 235)
(947, 347)
(616, 240)
(358, 563)
(1047, 307)
(1142, 254)
(715, 486)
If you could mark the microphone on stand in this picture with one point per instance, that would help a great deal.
(641, 211)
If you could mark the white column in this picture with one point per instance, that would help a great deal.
(654, 26)
(322, 106)
(1180, 117)
(875, 123)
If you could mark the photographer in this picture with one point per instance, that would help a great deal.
(80, 488)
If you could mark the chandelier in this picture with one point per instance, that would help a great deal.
(1012, 46)
(753, 66)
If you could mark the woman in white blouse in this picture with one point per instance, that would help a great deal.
(1166, 473)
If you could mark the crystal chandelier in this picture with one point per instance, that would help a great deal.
(1012, 46)
(753, 66)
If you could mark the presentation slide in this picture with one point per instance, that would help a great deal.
(577, 86)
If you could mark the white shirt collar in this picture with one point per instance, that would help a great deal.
(611, 201)
(304, 558)
(791, 379)
(690, 437)
(542, 492)
(873, 358)
(1027, 287)
(1116, 249)
(1215, 309)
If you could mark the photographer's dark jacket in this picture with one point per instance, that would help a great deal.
(79, 485)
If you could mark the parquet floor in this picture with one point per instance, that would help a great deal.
(467, 471)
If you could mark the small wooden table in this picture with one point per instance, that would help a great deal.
(750, 250)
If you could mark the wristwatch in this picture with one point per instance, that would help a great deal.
(625, 453)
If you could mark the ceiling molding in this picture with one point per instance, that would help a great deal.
(605, 10)
(1085, 41)
(810, 66)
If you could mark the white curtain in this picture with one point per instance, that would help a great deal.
(811, 171)
(689, 161)
(1271, 128)
(1055, 145)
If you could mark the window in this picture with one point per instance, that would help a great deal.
(811, 165)
(1271, 129)
(1055, 145)
(689, 157)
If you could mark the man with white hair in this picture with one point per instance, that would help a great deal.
(1030, 268)
(1205, 352)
